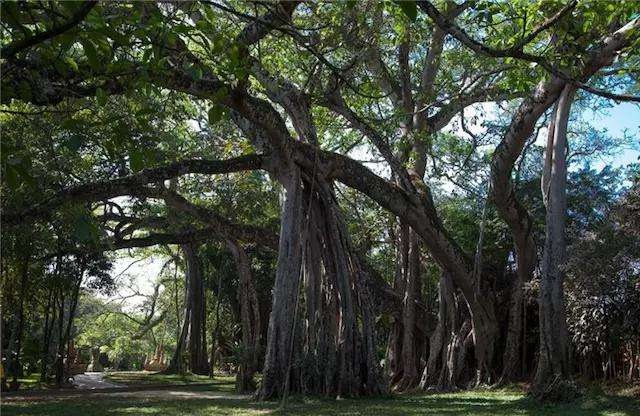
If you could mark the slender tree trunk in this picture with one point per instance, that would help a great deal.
(554, 365)
(46, 337)
(394, 346)
(16, 352)
(176, 364)
(72, 312)
(59, 363)
(197, 322)
(250, 320)
(215, 332)
(176, 303)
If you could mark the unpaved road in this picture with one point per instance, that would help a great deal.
(93, 385)
(92, 381)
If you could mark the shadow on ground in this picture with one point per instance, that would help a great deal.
(206, 402)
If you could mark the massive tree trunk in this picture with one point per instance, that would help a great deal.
(342, 354)
(554, 361)
(407, 367)
(338, 355)
(512, 356)
(440, 335)
(449, 349)
(280, 333)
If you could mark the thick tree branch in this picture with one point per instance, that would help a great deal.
(260, 27)
(130, 184)
(444, 249)
(224, 227)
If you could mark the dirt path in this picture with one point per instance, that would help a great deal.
(92, 381)
(104, 389)
(176, 392)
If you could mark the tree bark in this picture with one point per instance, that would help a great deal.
(411, 345)
(197, 321)
(215, 331)
(513, 355)
(250, 320)
(450, 343)
(554, 361)
(176, 364)
(15, 364)
(280, 332)
(439, 337)
(59, 363)
(394, 344)
(46, 334)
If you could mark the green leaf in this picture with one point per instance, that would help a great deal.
(11, 177)
(70, 123)
(91, 53)
(219, 94)
(24, 90)
(60, 66)
(83, 228)
(409, 8)
(24, 172)
(150, 156)
(136, 160)
(73, 143)
(71, 63)
(14, 160)
(110, 147)
(101, 97)
(194, 71)
(216, 113)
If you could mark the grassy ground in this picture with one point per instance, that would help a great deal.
(196, 402)
(141, 378)
(32, 381)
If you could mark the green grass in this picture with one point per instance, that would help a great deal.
(473, 403)
(143, 378)
(29, 382)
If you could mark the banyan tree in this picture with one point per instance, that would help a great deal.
(382, 99)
